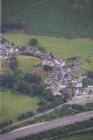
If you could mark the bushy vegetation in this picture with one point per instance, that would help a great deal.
(7, 26)
(25, 115)
(65, 110)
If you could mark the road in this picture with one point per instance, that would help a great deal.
(35, 116)
(40, 127)
(74, 101)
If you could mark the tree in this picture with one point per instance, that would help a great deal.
(7, 81)
(25, 115)
(47, 68)
(33, 42)
(51, 54)
(13, 64)
(90, 74)
(41, 49)
(32, 78)
(22, 87)
(37, 89)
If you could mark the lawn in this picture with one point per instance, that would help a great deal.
(12, 105)
(61, 47)
(80, 137)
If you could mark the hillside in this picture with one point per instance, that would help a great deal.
(50, 17)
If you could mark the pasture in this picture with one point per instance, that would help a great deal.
(29, 64)
(12, 105)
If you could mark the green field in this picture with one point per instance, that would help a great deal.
(12, 105)
(26, 64)
(50, 17)
(61, 47)
(80, 137)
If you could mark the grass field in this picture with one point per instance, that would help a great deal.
(50, 17)
(61, 47)
(26, 64)
(12, 105)
(79, 137)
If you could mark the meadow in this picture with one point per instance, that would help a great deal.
(12, 105)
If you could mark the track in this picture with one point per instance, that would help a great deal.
(41, 127)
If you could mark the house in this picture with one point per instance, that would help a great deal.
(7, 48)
(78, 92)
(79, 85)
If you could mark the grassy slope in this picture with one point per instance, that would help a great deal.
(13, 105)
(59, 46)
(50, 17)
(80, 137)
(26, 64)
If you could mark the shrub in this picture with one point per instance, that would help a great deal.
(33, 42)
(25, 115)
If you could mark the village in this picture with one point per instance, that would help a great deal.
(61, 74)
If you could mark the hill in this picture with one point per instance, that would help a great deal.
(50, 17)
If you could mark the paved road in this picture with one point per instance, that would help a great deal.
(40, 127)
